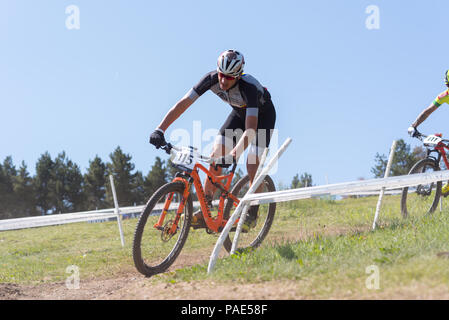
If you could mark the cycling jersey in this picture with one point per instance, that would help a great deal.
(442, 98)
(246, 95)
(248, 98)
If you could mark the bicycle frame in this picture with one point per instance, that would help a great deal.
(440, 149)
(218, 223)
(189, 178)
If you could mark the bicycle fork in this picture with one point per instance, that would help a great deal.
(167, 229)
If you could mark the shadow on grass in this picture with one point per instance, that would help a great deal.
(285, 251)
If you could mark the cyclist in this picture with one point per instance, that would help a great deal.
(250, 123)
(439, 100)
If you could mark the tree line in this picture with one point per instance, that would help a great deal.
(404, 159)
(58, 185)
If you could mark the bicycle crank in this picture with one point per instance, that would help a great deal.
(424, 190)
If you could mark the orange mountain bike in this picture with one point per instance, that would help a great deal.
(164, 224)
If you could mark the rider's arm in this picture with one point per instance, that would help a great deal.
(175, 112)
(425, 114)
(439, 100)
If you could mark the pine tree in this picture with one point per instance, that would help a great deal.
(121, 169)
(42, 183)
(73, 187)
(3, 192)
(139, 189)
(295, 182)
(24, 193)
(305, 180)
(171, 170)
(95, 185)
(66, 190)
(155, 178)
(403, 160)
(7, 175)
(57, 185)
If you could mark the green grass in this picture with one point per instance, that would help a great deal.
(324, 245)
(43, 254)
(335, 246)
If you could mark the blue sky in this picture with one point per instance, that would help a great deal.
(342, 91)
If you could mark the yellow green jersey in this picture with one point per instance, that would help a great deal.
(442, 98)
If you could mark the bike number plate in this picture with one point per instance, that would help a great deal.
(432, 141)
(184, 159)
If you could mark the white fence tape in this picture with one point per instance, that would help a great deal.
(349, 187)
(84, 216)
(374, 193)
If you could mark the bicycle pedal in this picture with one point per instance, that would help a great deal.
(198, 226)
(197, 221)
(243, 230)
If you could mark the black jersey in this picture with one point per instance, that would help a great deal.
(247, 96)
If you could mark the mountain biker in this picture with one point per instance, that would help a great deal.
(250, 123)
(439, 100)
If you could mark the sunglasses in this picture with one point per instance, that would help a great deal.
(226, 76)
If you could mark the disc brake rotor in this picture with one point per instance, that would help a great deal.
(166, 233)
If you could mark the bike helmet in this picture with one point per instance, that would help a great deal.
(231, 63)
(446, 78)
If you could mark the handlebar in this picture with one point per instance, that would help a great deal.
(216, 162)
(420, 136)
(168, 147)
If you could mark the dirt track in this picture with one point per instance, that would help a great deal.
(134, 287)
(131, 285)
(137, 287)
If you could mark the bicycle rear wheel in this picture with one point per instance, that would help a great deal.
(255, 236)
(421, 199)
(157, 243)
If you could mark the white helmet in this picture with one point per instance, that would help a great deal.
(231, 63)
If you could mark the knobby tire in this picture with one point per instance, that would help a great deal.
(148, 268)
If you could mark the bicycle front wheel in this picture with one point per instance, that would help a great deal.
(161, 231)
(254, 237)
(421, 199)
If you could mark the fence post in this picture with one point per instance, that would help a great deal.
(245, 210)
(242, 204)
(117, 211)
(382, 191)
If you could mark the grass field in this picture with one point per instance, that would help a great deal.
(325, 245)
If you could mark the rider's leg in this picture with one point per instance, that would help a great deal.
(252, 164)
(221, 148)
(224, 143)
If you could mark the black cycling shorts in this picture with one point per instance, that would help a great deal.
(234, 126)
